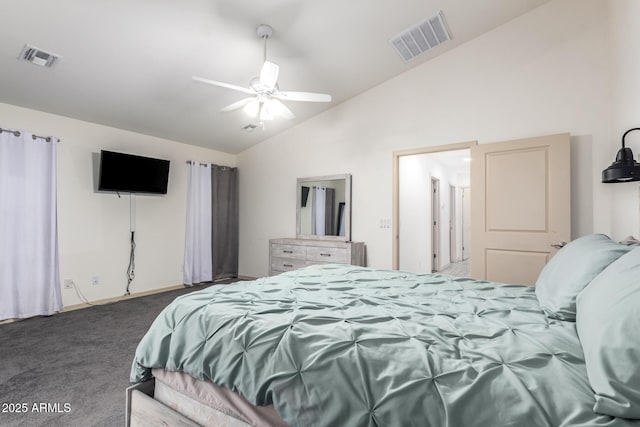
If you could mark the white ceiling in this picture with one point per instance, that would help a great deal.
(453, 161)
(128, 64)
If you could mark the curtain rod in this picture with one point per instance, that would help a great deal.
(189, 162)
(34, 136)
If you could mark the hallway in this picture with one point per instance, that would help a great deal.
(458, 269)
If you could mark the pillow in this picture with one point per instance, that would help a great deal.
(630, 240)
(608, 325)
(571, 269)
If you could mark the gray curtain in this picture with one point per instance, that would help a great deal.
(329, 227)
(224, 221)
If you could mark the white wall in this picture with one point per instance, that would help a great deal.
(415, 210)
(93, 228)
(625, 80)
(545, 72)
(568, 66)
(415, 201)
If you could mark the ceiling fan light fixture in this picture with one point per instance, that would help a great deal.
(278, 109)
(252, 107)
(265, 115)
(261, 109)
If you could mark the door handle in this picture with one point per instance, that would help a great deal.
(558, 245)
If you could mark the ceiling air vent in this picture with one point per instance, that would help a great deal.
(421, 37)
(38, 56)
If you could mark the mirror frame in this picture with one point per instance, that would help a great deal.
(347, 206)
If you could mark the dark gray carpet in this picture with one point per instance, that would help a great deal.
(80, 358)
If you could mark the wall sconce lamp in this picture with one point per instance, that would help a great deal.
(625, 168)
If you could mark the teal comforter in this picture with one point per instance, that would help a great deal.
(349, 346)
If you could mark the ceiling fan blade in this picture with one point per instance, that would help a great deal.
(237, 105)
(225, 85)
(269, 75)
(278, 108)
(303, 96)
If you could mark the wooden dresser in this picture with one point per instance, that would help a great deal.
(291, 254)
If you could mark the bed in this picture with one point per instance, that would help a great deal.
(331, 345)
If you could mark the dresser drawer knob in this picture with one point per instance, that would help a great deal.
(287, 252)
(325, 254)
(288, 265)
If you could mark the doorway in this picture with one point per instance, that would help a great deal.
(512, 241)
(428, 188)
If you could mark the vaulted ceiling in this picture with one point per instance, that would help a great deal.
(128, 64)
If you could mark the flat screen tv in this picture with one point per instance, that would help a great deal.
(132, 174)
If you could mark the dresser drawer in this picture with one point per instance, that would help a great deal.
(284, 264)
(288, 251)
(322, 254)
(292, 254)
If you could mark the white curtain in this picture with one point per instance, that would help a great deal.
(320, 213)
(29, 271)
(197, 251)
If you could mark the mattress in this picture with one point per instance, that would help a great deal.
(194, 397)
(342, 345)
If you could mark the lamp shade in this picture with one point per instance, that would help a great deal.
(624, 168)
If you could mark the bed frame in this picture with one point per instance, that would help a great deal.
(142, 409)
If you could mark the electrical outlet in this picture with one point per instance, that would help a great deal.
(95, 280)
(68, 284)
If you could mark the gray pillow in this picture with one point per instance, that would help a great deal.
(571, 269)
(608, 325)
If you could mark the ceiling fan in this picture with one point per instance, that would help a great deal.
(265, 100)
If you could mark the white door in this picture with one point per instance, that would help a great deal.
(435, 224)
(521, 206)
(453, 256)
(466, 223)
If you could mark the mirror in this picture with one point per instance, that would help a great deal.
(323, 208)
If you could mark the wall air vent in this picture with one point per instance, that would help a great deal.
(38, 56)
(421, 37)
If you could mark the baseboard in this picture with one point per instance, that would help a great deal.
(121, 298)
(140, 294)
(125, 297)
